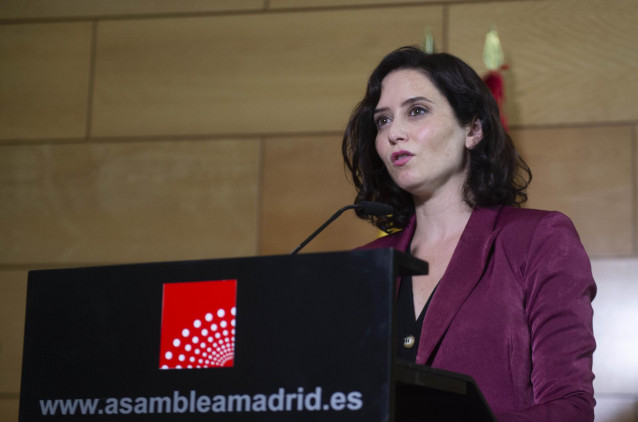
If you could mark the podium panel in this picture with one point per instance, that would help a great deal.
(286, 338)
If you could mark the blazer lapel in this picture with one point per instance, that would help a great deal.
(403, 243)
(463, 272)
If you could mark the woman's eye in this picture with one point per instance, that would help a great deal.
(381, 121)
(417, 111)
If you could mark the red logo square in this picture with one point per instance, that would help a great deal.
(198, 325)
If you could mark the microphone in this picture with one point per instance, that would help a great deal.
(364, 207)
(374, 208)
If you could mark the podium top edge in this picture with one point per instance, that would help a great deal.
(404, 264)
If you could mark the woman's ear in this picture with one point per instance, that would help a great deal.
(474, 134)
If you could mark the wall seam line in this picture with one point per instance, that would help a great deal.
(446, 28)
(259, 197)
(91, 81)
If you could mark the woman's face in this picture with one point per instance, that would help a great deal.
(419, 140)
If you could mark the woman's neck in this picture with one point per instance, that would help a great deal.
(440, 219)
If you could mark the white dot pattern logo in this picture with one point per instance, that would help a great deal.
(214, 348)
(198, 324)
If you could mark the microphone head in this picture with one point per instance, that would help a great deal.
(374, 208)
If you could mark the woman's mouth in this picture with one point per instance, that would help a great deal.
(401, 158)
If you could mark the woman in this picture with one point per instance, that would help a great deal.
(508, 297)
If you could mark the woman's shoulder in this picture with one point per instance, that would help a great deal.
(527, 227)
(521, 218)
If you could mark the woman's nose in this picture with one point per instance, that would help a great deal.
(396, 132)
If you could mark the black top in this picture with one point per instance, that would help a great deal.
(408, 330)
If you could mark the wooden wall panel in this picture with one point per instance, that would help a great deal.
(42, 9)
(127, 202)
(615, 360)
(277, 72)
(13, 295)
(44, 74)
(615, 321)
(587, 174)
(9, 409)
(303, 185)
(570, 61)
(616, 408)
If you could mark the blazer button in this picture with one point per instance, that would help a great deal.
(408, 342)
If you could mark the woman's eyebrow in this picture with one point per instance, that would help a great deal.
(413, 100)
(409, 101)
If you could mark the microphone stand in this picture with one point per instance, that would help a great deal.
(323, 226)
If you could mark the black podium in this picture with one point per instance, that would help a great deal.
(280, 338)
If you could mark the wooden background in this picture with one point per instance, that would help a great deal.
(162, 130)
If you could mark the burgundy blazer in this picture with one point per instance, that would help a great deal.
(513, 311)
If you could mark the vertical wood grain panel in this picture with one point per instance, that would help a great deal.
(615, 360)
(44, 74)
(616, 408)
(571, 61)
(634, 141)
(587, 174)
(128, 202)
(9, 409)
(13, 295)
(303, 185)
(276, 72)
(615, 320)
